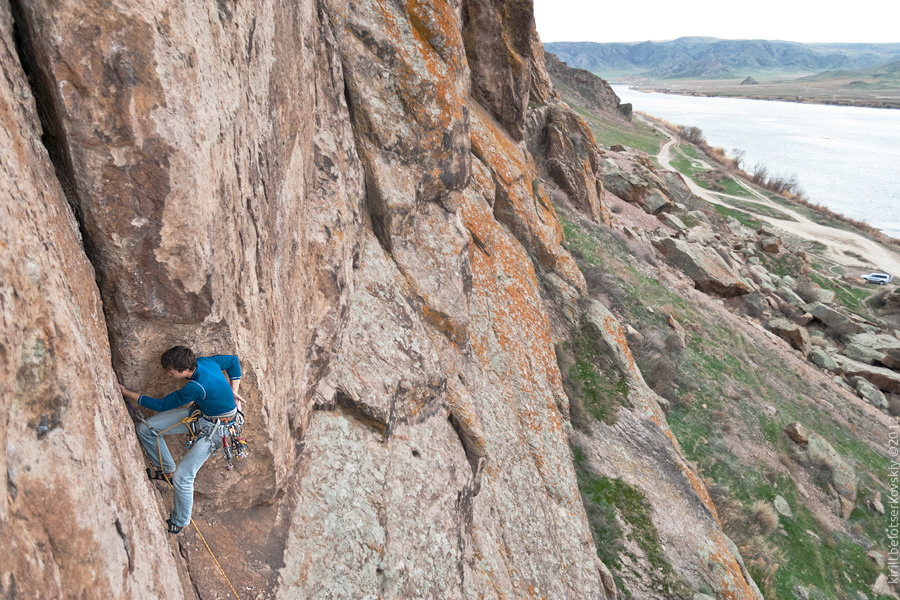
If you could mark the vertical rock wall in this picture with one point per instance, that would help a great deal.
(73, 498)
(347, 195)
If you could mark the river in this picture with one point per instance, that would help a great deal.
(846, 158)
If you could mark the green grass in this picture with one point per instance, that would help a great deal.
(756, 208)
(639, 135)
(717, 358)
(684, 159)
(606, 501)
(590, 378)
(851, 297)
(744, 218)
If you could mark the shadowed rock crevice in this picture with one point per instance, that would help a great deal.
(46, 102)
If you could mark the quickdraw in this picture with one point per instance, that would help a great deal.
(233, 445)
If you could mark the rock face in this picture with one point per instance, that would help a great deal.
(350, 198)
(586, 86)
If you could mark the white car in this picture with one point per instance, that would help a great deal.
(879, 278)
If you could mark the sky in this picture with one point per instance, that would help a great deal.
(788, 20)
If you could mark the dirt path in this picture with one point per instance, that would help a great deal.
(842, 246)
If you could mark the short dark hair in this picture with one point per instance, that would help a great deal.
(180, 358)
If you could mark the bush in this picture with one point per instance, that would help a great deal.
(894, 407)
(765, 517)
(809, 291)
(656, 366)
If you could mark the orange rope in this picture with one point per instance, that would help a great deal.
(186, 420)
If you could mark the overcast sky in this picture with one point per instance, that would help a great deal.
(790, 20)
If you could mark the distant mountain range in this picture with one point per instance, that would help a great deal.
(703, 57)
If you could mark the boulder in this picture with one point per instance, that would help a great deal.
(792, 333)
(881, 586)
(832, 318)
(797, 433)
(672, 221)
(770, 244)
(638, 186)
(757, 303)
(884, 379)
(782, 507)
(863, 354)
(826, 296)
(788, 295)
(821, 359)
(699, 215)
(740, 230)
(749, 81)
(877, 558)
(881, 347)
(869, 392)
(705, 267)
(656, 202)
(676, 186)
(761, 277)
(821, 457)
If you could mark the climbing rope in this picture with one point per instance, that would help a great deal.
(187, 421)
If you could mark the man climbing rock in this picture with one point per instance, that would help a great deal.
(218, 400)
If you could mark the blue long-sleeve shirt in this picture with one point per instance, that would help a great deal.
(207, 387)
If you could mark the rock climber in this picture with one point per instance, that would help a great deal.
(218, 400)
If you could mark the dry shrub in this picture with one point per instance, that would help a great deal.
(764, 516)
(635, 248)
(822, 463)
(817, 339)
(721, 418)
(560, 197)
(788, 310)
(656, 366)
(674, 344)
(894, 407)
(809, 291)
(578, 414)
(604, 287)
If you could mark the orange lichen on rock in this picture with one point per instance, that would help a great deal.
(512, 339)
(731, 580)
(521, 203)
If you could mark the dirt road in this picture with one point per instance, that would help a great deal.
(843, 247)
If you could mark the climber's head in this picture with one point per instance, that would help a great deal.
(179, 361)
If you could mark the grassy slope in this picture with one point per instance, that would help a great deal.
(722, 386)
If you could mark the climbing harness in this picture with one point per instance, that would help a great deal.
(233, 445)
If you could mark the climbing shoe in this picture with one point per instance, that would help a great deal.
(173, 528)
(159, 475)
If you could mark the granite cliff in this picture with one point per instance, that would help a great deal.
(355, 198)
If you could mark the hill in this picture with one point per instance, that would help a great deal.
(882, 75)
(698, 57)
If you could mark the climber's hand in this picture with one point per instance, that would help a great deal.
(239, 401)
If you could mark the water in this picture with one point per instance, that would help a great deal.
(846, 158)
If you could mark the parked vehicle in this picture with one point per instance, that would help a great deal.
(879, 278)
